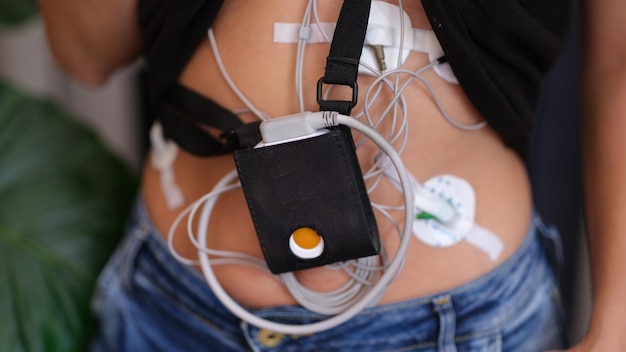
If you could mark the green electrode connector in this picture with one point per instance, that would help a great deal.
(424, 216)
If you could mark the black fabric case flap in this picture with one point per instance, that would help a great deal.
(316, 183)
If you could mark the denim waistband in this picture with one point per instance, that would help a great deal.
(501, 293)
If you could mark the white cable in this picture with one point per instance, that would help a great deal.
(226, 76)
(334, 302)
(369, 295)
(210, 198)
(417, 74)
(302, 41)
(308, 298)
(362, 289)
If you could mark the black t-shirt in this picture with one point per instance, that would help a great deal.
(499, 50)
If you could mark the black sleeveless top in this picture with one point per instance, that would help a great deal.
(499, 50)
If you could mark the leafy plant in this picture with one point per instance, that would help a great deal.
(64, 199)
(13, 12)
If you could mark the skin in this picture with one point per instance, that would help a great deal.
(90, 46)
(92, 50)
(604, 108)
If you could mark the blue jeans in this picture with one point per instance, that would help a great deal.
(147, 301)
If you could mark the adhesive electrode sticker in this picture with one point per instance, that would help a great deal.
(384, 30)
(460, 195)
(389, 29)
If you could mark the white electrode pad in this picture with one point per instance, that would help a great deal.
(389, 30)
(432, 230)
(163, 155)
(454, 191)
(444, 209)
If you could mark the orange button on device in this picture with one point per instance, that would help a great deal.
(306, 243)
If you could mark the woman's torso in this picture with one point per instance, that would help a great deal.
(264, 72)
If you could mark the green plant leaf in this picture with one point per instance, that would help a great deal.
(14, 12)
(64, 199)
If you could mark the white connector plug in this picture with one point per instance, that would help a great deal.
(297, 126)
(442, 210)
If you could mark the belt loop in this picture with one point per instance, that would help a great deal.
(447, 323)
(137, 232)
(551, 240)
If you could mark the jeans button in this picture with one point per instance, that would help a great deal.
(270, 338)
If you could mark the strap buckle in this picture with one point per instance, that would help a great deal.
(341, 106)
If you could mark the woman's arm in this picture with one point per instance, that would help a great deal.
(604, 128)
(91, 38)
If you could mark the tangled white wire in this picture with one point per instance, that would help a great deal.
(359, 293)
(368, 277)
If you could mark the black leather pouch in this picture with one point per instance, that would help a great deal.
(315, 183)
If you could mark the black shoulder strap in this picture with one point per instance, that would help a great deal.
(184, 113)
(185, 116)
(203, 110)
(342, 64)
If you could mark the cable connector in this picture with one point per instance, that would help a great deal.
(297, 126)
(439, 208)
(163, 155)
(324, 119)
(304, 33)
